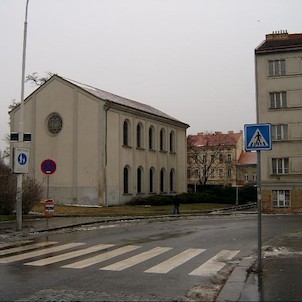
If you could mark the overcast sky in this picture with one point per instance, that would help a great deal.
(192, 59)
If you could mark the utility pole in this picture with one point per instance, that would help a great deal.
(21, 127)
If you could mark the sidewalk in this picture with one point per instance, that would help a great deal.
(281, 264)
(280, 279)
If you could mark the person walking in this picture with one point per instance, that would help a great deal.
(176, 205)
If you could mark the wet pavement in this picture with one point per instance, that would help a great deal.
(279, 280)
(280, 277)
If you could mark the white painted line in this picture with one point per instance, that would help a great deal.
(121, 265)
(39, 252)
(168, 265)
(102, 257)
(215, 264)
(69, 255)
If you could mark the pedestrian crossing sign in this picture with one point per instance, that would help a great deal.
(258, 137)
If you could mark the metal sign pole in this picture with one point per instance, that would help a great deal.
(258, 137)
(259, 268)
(47, 187)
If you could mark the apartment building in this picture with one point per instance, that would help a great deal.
(218, 159)
(108, 149)
(278, 68)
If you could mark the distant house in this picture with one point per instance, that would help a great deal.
(247, 169)
(278, 64)
(108, 149)
(218, 159)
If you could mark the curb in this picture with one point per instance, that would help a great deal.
(231, 291)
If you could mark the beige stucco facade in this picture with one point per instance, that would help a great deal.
(90, 150)
(279, 102)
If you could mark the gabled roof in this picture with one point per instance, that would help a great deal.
(280, 41)
(216, 139)
(247, 158)
(113, 98)
(108, 96)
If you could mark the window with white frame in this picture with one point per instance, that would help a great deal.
(229, 173)
(279, 132)
(278, 99)
(246, 177)
(220, 173)
(276, 68)
(212, 173)
(229, 159)
(280, 165)
(281, 198)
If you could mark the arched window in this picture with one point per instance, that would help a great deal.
(151, 180)
(139, 135)
(151, 138)
(126, 180)
(126, 133)
(162, 180)
(162, 140)
(172, 180)
(172, 142)
(139, 179)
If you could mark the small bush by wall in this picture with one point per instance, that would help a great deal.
(31, 191)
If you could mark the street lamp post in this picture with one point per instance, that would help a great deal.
(21, 127)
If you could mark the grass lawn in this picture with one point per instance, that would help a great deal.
(130, 210)
(113, 211)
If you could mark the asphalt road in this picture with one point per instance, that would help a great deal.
(174, 260)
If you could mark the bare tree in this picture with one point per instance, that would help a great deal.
(35, 79)
(206, 153)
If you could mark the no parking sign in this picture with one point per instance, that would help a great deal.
(48, 166)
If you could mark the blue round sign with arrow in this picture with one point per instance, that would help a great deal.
(48, 166)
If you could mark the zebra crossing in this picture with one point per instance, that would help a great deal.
(53, 252)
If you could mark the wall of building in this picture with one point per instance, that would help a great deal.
(291, 147)
(89, 150)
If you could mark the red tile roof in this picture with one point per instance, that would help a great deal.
(216, 139)
(247, 158)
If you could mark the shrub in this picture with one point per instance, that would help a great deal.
(31, 191)
(205, 194)
(7, 190)
(31, 195)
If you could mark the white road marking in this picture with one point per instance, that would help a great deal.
(45, 251)
(168, 265)
(121, 265)
(215, 264)
(102, 257)
(69, 255)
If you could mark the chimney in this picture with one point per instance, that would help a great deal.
(277, 35)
